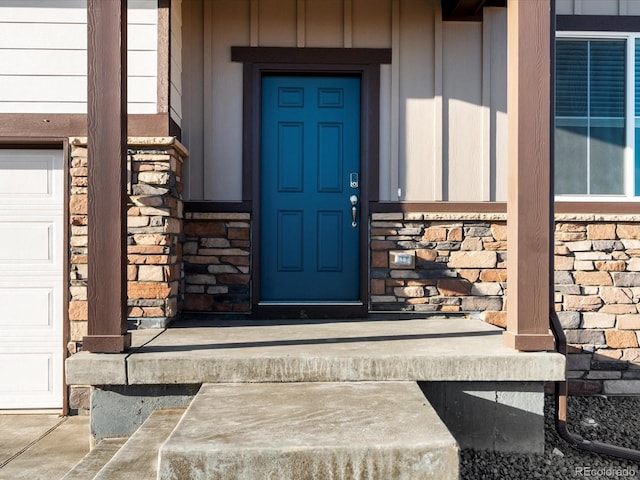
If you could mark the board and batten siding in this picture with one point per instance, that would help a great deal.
(43, 56)
(597, 7)
(443, 98)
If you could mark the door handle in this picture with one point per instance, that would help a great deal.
(354, 210)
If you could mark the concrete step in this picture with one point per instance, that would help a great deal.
(378, 349)
(138, 458)
(97, 458)
(135, 458)
(361, 430)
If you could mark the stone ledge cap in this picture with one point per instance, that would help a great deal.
(142, 141)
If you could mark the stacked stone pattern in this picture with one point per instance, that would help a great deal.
(154, 223)
(597, 277)
(216, 262)
(461, 266)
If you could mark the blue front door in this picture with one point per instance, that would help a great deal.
(310, 175)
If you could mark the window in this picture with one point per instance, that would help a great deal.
(597, 117)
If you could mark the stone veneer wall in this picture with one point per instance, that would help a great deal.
(154, 221)
(461, 266)
(597, 277)
(216, 262)
(460, 263)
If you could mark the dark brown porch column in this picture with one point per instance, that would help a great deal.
(529, 206)
(107, 149)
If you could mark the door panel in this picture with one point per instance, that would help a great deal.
(31, 278)
(310, 149)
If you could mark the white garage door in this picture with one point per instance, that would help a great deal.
(31, 236)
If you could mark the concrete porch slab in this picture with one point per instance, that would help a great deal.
(310, 431)
(384, 348)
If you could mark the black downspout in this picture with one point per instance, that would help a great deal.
(561, 396)
(562, 388)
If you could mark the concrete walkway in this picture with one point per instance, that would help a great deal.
(43, 446)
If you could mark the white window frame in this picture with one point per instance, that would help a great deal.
(629, 154)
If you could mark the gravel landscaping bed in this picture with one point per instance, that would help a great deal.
(614, 420)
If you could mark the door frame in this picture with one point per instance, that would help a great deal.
(364, 63)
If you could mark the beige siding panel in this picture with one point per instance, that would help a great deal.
(193, 122)
(416, 102)
(143, 90)
(45, 88)
(57, 36)
(142, 63)
(43, 62)
(371, 26)
(142, 37)
(43, 107)
(176, 78)
(45, 36)
(143, 12)
(277, 23)
(633, 7)
(438, 164)
(68, 62)
(599, 7)
(385, 133)
(66, 107)
(176, 106)
(324, 23)
(43, 57)
(564, 7)
(462, 110)
(44, 11)
(223, 113)
(495, 20)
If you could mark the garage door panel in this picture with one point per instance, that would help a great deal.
(30, 380)
(26, 372)
(31, 279)
(23, 242)
(31, 243)
(27, 308)
(30, 177)
(31, 312)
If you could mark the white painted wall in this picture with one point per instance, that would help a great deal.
(443, 99)
(43, 56)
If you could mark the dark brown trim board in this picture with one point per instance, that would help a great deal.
(33, 143)
(438, 207)
(107, 177)
(364, 63)
(313, 56)
(217, 207)
(599, 208)
(57, 125)
(529, 206)
(467, 10)
(597, 23)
